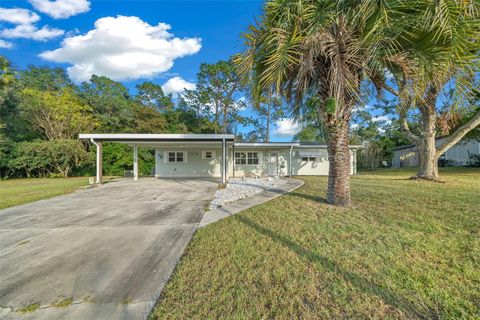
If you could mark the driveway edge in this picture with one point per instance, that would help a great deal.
(220, 213)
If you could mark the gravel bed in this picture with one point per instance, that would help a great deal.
(238, 188)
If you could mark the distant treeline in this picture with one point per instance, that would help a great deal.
(42, 112)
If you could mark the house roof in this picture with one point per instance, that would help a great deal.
(406, 146)
(265, 144)
(136, 137)
(155, 139)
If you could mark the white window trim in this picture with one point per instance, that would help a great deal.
(166, 157)
(246, 158)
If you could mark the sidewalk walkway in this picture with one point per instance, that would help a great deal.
(246, 203)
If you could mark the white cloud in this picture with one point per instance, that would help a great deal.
(286, 128)
(385, 119)
(24, 21)
(18, 16)
(122, 48)
(61, 9)
(364, 107)
(176, 85)
(388, 75)
(241, 103)
(30, 31)
(354, 126)
(5, 44)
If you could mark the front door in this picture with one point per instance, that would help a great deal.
(273, 164)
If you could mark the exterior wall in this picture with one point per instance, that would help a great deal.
(265, 166)
(195, 166)
(407, 157)
(321, 166)
(301, 168)
(458, 155)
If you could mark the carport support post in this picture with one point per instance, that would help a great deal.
(224, 162)
(135, 163)
(98, 145)
(290, 162)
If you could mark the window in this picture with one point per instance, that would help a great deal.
(307, 159)
(208, 154)
(240, 158)
(250, 158)
(179, 156)
(176, 156)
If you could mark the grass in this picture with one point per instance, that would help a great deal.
(29, 308)
(406, 250)
(62, 303)
(14, 192)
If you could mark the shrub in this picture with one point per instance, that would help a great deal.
(119, 157)
(40, 158)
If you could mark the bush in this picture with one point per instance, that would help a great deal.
(119, 157)
(6, 147)
(40, 158)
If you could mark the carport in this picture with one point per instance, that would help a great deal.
(157, 140)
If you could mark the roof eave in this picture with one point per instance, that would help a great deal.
(135, 137)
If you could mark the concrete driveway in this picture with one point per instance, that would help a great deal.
(102, 253)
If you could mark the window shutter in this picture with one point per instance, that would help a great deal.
(165, 156)
(203, 154)
(185, 160)
(213, 154)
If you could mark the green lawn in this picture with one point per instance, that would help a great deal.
(407, 249)
(19, 191)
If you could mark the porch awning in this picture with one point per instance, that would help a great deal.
(309, 153)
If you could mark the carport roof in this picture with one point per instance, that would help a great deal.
(135, 137)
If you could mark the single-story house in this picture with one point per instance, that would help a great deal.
(218, 155)
(458, 155)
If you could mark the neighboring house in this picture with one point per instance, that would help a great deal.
(458, 155)
(209, 155)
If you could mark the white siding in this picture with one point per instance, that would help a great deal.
(262, 169)
(458, 155)
(407, 157)
(321, 166)
(196, 166)
(302, 168)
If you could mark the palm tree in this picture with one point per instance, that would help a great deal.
(320, 49)
(438, 46)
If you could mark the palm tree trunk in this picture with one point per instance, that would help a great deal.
(427, 150)
(428, 169)
(339, 166)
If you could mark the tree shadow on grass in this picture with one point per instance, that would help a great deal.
(310, 197)
(365, 285)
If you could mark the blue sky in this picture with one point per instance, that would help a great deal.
(129, 41)
(217, 23)
(35, 32)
